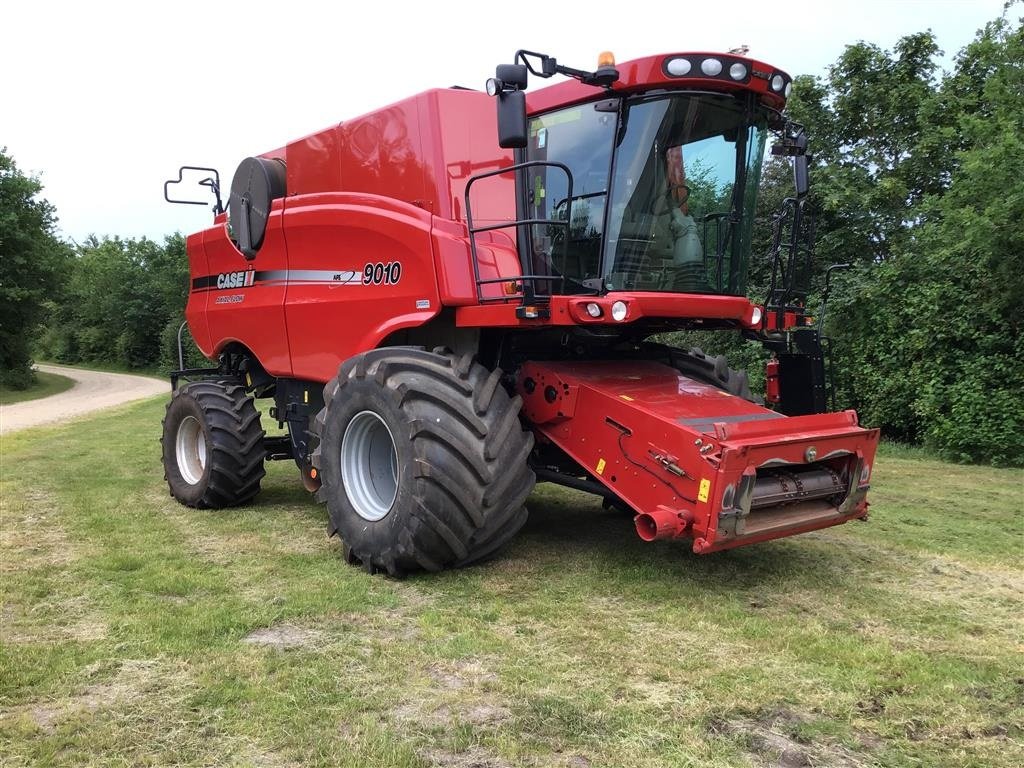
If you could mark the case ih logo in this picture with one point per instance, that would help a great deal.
(242, 279)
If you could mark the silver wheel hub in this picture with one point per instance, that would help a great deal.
(190, 450)
(369, 466)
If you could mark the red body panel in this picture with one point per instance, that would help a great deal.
(463, 141)
(371, 238)
(571, 310)
(649, 72)
(195, 306)
(627, 423)
(417, 153)
(254, 315)
(385, 188)
(332, 312)
(313, 163)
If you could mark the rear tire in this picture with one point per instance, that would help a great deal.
(423, 460)
(212, 445)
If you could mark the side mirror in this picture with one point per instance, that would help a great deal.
(512, 76)
(800, 178)
(794, 144)
(512, 130)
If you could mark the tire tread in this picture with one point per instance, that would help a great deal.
(235, 452)
(471, 476)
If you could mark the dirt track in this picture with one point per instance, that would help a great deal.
(93, 391)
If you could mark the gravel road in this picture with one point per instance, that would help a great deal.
(93, 391)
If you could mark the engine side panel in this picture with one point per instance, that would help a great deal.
(245, 299)
(360, 267)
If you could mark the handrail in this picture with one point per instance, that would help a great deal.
(527, 279)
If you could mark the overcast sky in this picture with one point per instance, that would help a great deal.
(104, 100)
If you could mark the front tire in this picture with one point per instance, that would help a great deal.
(212, 445)
(423, 460)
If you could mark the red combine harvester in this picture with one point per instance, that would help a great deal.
(446, 308)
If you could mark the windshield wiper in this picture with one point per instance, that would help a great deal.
(723, 236)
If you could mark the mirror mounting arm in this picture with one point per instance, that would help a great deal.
(510, 81)
(549, 66)
(213, 182)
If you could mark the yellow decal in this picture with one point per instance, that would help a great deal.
(556, 118)
(705, 488)
(305, 396)
(248, 380)
(626, 397)
(600, 466)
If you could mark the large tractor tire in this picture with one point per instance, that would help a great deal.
(712, 369)
(212, 445)
(423, 460)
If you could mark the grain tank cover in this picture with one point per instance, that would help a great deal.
(257, 183)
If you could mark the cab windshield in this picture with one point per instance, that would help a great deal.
(677, 214)
(682, 196)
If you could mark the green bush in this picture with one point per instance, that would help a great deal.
(193, 358)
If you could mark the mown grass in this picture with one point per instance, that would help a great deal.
(139, 632)
(46, 384)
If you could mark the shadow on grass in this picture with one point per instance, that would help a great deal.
(569, 532)
(571, 524)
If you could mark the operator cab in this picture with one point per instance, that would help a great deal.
(647, 186)
(664, 187)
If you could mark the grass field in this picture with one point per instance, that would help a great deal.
(46, 384)
(139, 632)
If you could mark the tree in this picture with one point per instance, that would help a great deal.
(919, 184)
(873, 122)
(124, 302)
(953, 346)
(31, 262)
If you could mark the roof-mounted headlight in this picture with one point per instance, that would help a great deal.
(711, 67)
(678, 67)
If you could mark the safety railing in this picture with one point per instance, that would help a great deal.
(526, 289)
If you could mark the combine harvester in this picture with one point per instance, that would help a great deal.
(446, 308)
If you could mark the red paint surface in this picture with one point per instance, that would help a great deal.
(257, 322)
(597, 403)
(389, 187)
(648, 72)
(410, 163)
(571, 310)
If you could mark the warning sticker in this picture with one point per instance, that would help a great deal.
(600, 466)
(705, 489)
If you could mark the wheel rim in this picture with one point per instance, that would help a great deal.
(369, 466)
(190, 450)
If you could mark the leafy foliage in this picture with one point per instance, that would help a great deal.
(927, 330)
(917, 183)
(123, 304)
(31, 262)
